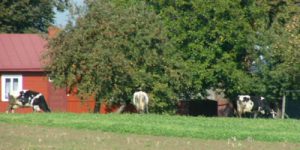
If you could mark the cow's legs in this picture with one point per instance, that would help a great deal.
(43, 104)
(142, 106)
(138, 109)
(255, 114)
(273, 113)
(235, 112)
(14, 107)
(146, 109)
(239, 113)
(9, 108)
(36, 108)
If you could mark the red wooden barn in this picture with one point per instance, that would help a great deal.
(21, 68)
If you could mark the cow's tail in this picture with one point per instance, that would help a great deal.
(43, 105)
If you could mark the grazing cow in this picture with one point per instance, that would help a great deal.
(243, 105)
(140, 101)
(255, 105)
(27, 98)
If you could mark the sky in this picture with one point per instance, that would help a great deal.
(61, 18)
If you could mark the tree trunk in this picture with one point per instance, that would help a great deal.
(97, 104)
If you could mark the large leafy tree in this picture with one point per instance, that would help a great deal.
(216, 40)
(231, 45)
(20, 16)
(241, 47)
(280, 50)
(117, 47)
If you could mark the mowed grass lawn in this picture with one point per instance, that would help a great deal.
(277, 130)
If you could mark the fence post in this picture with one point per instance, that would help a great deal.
(283, 105)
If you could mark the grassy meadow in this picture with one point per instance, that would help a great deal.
(287, 130)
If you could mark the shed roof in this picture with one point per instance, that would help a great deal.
(21, 52)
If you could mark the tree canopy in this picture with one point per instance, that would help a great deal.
(277, 45)
(234, 45)
(28, 16)
(117, 47)
(179, 49)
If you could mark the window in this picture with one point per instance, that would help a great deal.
(10, 83)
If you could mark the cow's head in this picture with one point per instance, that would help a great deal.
(14, 94)
(23, 96)
(13, 97)
(244, 98)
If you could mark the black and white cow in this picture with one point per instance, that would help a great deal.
(27, 98)
(254, 105)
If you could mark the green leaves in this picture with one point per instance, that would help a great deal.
(210, 38)
(241, 47)
(28, 16)
(226, 44)
(116, 48)
(279, 48)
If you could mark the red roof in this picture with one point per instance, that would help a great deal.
(21, 52)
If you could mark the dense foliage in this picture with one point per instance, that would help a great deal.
(215, 40)
(28, 16)
(165, 125)
(179, 49)
(116, 48)
(281, 66)
(243, 47)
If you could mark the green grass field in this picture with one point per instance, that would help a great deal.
(164, 125)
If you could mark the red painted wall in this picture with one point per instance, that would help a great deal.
(57, 99)
(75, 105)
(36, 82)
(33, 81)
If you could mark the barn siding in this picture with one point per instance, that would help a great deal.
(3, 105)
(36, 82)
(75, 105)
(32, 71)
(33, 81)
(57, 99)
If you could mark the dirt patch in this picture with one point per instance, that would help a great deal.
(24, 137)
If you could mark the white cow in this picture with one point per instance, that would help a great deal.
(244, 105)
(140, 101)
(256, 105)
